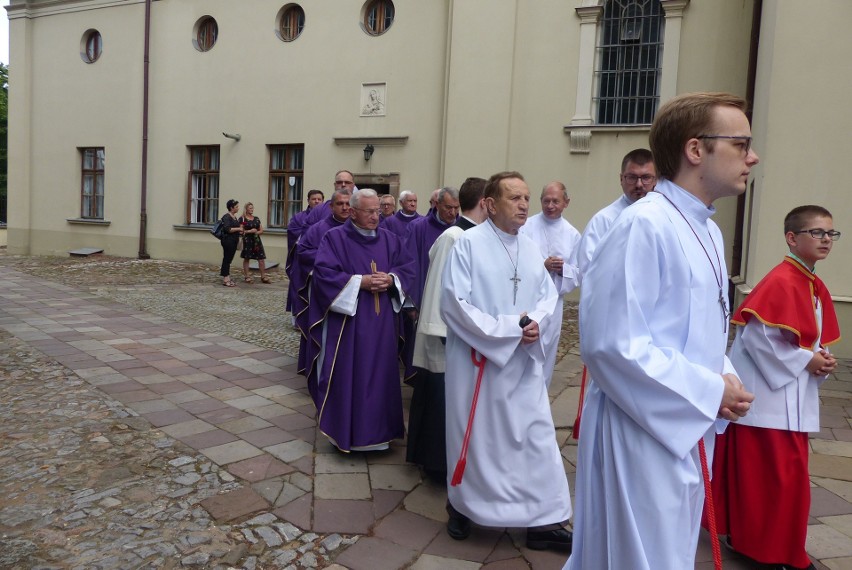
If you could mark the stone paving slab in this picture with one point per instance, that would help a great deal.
(236, 409)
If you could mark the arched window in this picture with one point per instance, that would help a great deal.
(629, 50)
(292, 22)
(93, 46)
(378, 16)
(206, 34)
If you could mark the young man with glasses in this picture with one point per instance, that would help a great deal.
(761, 485)
(638, 177)
(653, 334)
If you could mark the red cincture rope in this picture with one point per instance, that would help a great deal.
(575, 432)
(710, 507)
(462, 462)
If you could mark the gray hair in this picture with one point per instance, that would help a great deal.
(405, 194)
(453, 192)
(355, 200)
(341, 192)
(558, 184)
(391, 196)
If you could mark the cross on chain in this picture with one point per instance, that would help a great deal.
(515, 279)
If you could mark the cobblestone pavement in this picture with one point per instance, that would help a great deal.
(152, 418)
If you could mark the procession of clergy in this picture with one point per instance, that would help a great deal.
(469, 298)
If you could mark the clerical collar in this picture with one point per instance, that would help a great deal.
(805, 265)
(364, 231)
(338, 220)
(549, 221)
(685, 200)
(471, 220)
(440, 221)
(408, 215)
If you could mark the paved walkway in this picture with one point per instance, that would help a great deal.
(134, 440)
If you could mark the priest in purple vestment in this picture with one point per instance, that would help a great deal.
(295, 228)
(360, 279)
(303, 266)
(398, 222)
(419, 239)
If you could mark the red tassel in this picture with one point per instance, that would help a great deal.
(710, 507)
(462, 462)
(459, 472)
(575, 432)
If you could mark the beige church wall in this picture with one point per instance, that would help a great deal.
(98, 108)
(306, 91)
(801, 130)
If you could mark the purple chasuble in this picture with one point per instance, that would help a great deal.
(306, 252)
(295, 228)
(398, 223)
(419, 239)
(356, 386)
(318, 213)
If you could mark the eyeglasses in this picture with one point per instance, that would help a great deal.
(370, 212)
(745, 142)
(819, 233)
(645, 178)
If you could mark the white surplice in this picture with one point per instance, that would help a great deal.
(771, 365)
(514, 474)
(653, 335)
(431, 330)
(596, 229)
(556, 238)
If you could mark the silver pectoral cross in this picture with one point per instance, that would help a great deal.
(516, 280)
(724, 305)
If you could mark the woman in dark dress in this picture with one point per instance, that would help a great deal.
(232, 230)
(252, 246)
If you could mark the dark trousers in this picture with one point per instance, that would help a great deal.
(229, 249)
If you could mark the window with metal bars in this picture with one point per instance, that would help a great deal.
(378, 17)
(629, 53)
(92, 186)
(204, 184)
(286, 178)
(292, 22)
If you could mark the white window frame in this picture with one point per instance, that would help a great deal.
(590, 12)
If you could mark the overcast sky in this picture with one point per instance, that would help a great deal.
(4, 34)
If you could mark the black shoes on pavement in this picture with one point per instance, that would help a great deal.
(556, 539)
(458, 527)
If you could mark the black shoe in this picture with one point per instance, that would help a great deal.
(788, 567)
(557, 539)
(458, 527)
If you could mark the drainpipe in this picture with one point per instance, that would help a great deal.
(739, 255)
(143, 208)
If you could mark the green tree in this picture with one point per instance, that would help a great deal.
(4, 147)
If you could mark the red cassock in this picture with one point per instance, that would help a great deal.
(761, 487)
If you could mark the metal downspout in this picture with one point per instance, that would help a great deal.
(143, 207)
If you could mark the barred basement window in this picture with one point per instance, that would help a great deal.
(629, 54)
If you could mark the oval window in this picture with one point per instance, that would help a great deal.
(92, 46)
(378, 16)
(292, 22)
(206, 33)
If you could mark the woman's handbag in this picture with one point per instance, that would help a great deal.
(218, 230)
